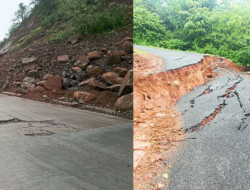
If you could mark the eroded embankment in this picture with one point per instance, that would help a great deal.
(156, 121)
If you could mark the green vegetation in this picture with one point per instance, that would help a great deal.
(203, 26)
(62, 18)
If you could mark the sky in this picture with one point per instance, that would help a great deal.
(7, 10)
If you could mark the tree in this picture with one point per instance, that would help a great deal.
(21, 14)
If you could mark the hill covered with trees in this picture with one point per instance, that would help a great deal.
(204, 26)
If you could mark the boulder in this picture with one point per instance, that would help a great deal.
(46, 76)
(54, 83)
(28, 84)
(106, 98)
(34, 74)
(128, 47)
(62, 58)
(112, 78)
(94, 55)
(29, 60)
(96, 84)
(86, 82)
(113, 58)
(41, 83)
(39, 89)
(84, 96)
(82, 62)
(115, 87)
(125, 103)
(127, 84)
(120, 71)
(94, 71)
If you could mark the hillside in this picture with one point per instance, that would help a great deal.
(79, 69)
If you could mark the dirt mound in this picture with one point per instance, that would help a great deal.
(73, 64)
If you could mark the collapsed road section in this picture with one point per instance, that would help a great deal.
(173, 108)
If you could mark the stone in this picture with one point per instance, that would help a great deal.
(128, 47)
(106, 98)
(121, 53)
(125, 103)
(82, 62)
(39, 89)
(127, 84)
(41, 83)
(29, 60)
(62, 98)
(120, 71)
(94, 71)
(112, 78)
(104, 50)
(89, 67)
(94, 55)
(34, 74)
(76, 69)
(113, 58)
(86, 82)
(46, 76)
(62, 58)
(28, 84)
(96, 84)
(54, 83)
(84, 96)
(75, 38)
(115, 87)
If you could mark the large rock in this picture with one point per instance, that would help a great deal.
(62, 58)
(120, 71)
(34, 74)
(112, 78)
(106, 98)
(82, 62)
(29, 60)
(86, 82)
(94, 55)
(113, 58)
(28, 84)
(125, 103)
(39, 89)
(127, 84)
(94, 71)
(54, 83)
(84, 96)
(46, 76)
(128, 47)
(96, 84)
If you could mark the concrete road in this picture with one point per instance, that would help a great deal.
(215, 156)
(173, 59)
(50, 147)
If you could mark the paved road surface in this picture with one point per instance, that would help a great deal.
(215, 156)
(173, 59)
(49, 147)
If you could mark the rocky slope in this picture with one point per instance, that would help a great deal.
(85, 71)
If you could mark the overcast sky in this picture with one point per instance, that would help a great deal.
(7, 10)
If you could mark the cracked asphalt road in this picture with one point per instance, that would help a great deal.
(173, 59)
(46, 146)
(214, 156)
